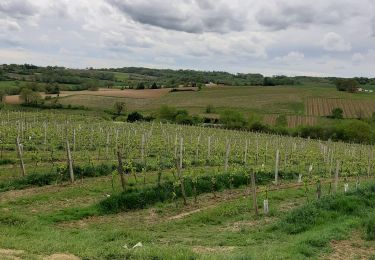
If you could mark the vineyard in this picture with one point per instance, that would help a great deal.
(94, 170)
(351, 108)
(43, 140)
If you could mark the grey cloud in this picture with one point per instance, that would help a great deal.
(17, 8)
(9, 25)
(193, 16)
(335, 42)
(282, 14)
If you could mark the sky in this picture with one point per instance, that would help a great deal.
(272, 37)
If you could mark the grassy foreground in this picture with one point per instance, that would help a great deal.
(216, 227)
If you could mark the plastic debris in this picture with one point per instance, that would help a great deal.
(139, 244)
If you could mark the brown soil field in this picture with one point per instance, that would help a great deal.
(352, 108)
(127, 93)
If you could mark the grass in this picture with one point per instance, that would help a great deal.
(6, 84)
(41, 223)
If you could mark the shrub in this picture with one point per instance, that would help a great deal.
(337, 113)
(370, 227)
(233, 119)
(143, 197)
(259, 127)
(282, 121)
(42, 179)
(141, 85)
(135, 116)
(167, 113)
(210, 109)
(328, 209)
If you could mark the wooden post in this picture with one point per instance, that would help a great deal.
(209, 149)
(107, 145)
(175, 147)
(19, 152)
(369, 165)
(318, 189)
(120, 170)
(277, 167)
(74, 140)
(227, 156)
(70, 162)
(265, 204)
(179, 171)
(45, 136)
(245, 152)
(254, 192)
(197, 148)
(337, 176)
(143, 149)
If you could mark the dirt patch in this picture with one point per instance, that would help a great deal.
(212, 250)
(244, 224)
(15, 194)
(289, 205)
(127, 93)
(185, 214)
(10, 254)
(61, 257)
(15, 99)
(355, 248)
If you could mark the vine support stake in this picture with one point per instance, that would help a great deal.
(120, 169)
(254, 192)
(19, 152)
(70, 162)
(337, 176)
(277, 167)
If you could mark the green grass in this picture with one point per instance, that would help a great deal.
(41, 223)
(8, 84)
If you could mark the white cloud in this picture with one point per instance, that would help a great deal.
(335, 42)
(271, 37)
(357, 58)
(291, 57)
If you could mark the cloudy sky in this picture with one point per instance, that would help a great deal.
(293, 37)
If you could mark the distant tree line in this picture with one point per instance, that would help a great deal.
(146, 78)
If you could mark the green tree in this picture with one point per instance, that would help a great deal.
(141, 85)
(337, 113)
(154, 86)
(349, 85)
(119, 107)
(27, 96)
(2, 95)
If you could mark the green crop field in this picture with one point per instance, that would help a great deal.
(288, 100)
